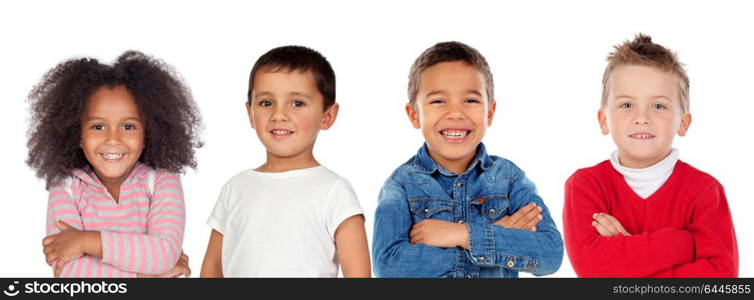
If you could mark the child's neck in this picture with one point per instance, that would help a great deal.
(276, 164)
(457, 166)
(112, 185)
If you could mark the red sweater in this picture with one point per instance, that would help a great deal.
(684, 229)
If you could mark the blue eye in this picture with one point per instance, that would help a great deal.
(265, 103)
(659, 106)
(298, 103)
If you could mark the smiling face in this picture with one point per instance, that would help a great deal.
(112, 133)
(452, 110)
(287, 112)
(643, 114)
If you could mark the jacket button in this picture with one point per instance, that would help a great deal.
(492, 211)
(426, 210)
(468, 275)
(460, 222)
(511, 263)
(481, 258)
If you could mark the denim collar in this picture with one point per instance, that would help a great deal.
(425, 164)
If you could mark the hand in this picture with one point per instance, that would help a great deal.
(439, 233)
(63, 247)
(181, 268)
(525, 218)
(607, 225)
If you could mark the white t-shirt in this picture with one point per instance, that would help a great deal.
(282, 224)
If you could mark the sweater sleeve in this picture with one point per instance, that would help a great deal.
(159, 249)
(714, 238)
(61, 207)
(593, 255)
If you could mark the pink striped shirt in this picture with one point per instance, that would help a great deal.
(141, 233)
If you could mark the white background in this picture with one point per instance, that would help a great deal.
(547, 59)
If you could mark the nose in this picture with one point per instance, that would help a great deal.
(641, 117)
(112, 136)
(279, 114)
(455, 111)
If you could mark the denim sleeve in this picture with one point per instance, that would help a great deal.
(539, 253)
(393, 254)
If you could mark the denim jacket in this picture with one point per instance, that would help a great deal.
(491, 188)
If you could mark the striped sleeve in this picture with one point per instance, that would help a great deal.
(158, 250)
(61, 207)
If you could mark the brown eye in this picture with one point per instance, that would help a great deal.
(265, 103)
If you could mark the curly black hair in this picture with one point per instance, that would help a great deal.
(172, 121)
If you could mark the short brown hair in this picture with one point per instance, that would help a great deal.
(643, 52)
(446, 52)
(298, 58)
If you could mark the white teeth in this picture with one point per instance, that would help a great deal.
(454, 134)
(281, 131)
(641, 136)
(112, 155)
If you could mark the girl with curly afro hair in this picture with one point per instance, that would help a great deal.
(110, 141)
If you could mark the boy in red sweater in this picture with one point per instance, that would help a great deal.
(643, 212)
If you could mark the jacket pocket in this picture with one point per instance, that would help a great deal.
(491, 207)
(431, 208)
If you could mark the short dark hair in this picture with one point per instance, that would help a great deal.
(298, 58)
(171, 119)
(448, 52)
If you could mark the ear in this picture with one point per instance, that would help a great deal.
(329, 116)
(491, 112)
(248, 111)
(685, 123)
(413, 115)
(602, 119)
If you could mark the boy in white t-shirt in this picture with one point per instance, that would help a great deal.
(290, 217)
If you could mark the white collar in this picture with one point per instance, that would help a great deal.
(647, 180)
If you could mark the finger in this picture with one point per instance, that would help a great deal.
(533, 222)
(617, 225)
(601, 229)
(49, 239)
(63, 226)
(414, 231)
(602, 219)
(59, 266)
(524, 210)
(531, 216)
(184, 256)
(188, 272)
(534, 228)
(51, 259)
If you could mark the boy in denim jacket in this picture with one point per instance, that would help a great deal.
(452, 210)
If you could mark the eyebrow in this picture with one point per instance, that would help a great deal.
(301, 94)
(475, 92)
(124, 119)
(653, 97)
